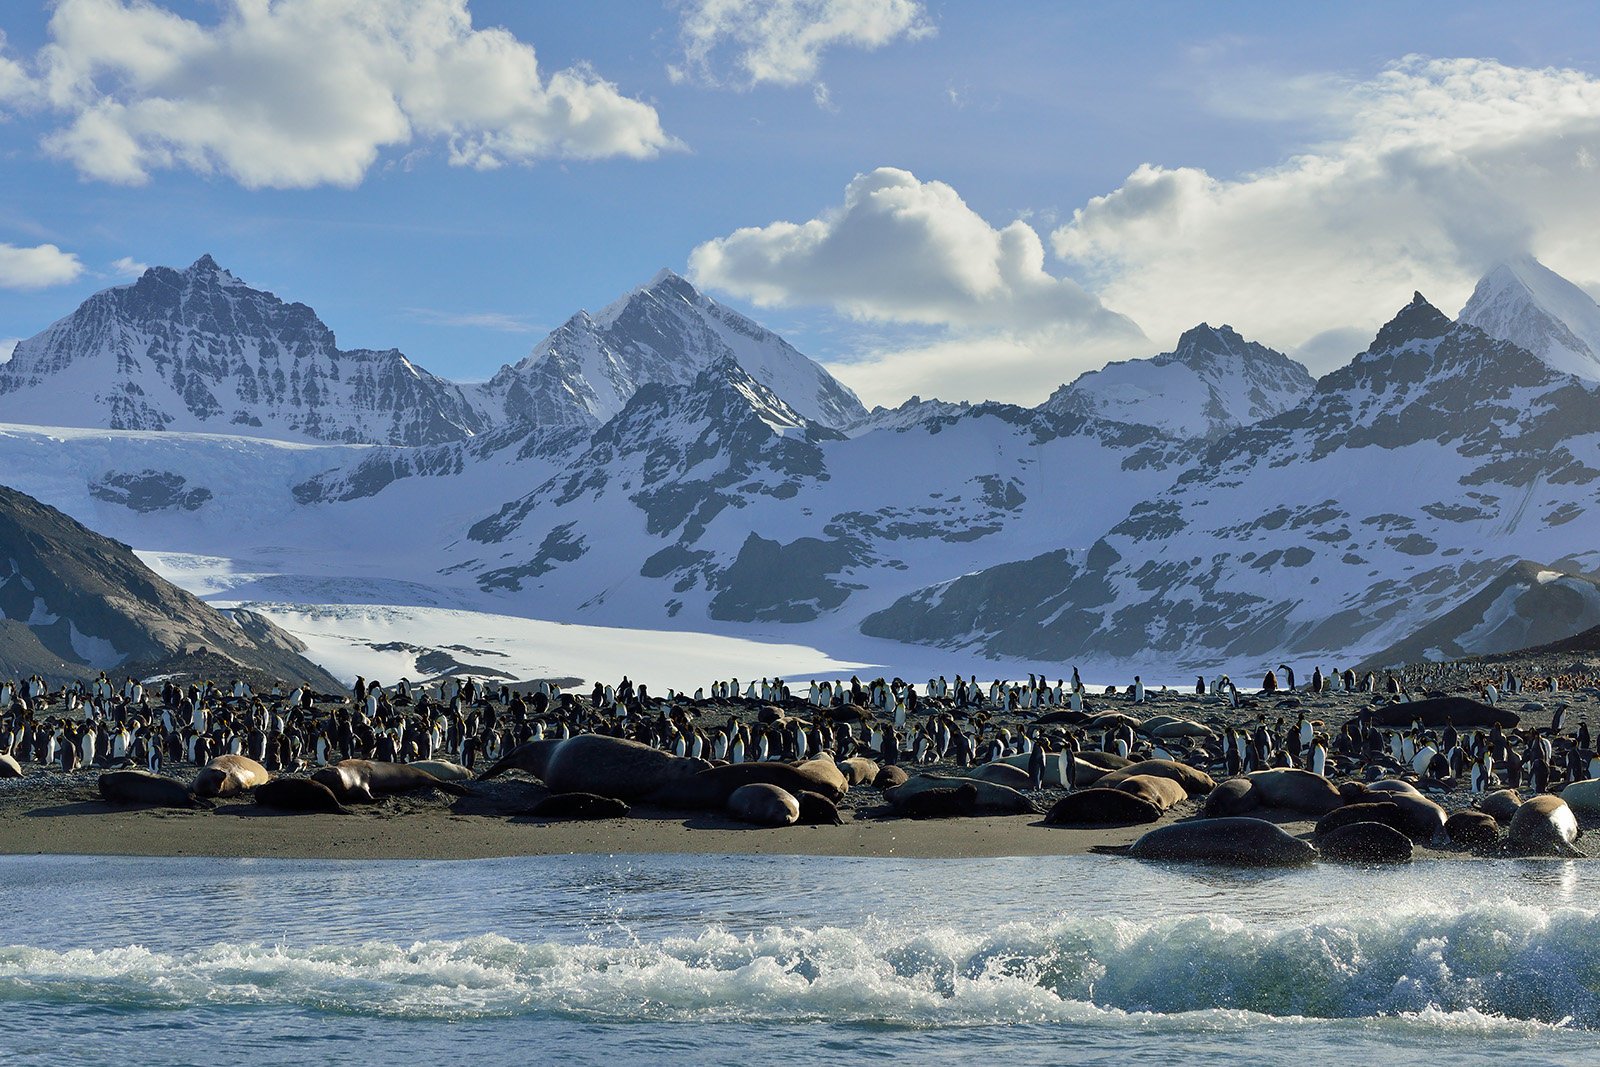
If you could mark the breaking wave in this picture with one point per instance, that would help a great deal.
(1485, 966)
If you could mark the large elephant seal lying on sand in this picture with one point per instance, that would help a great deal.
(364, 781)
(764, 805)
(1102, 807)
(1544, 826)
(991, 799)
(615, 767)
(1194, 782)
(142, 787)
(1236, 842)
(299, 794)
(228, 776)
(710, 789)
(531, 757)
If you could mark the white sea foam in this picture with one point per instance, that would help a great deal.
(1487, 967)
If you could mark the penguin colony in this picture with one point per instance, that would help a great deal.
(1215, 759)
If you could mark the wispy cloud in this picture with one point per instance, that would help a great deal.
(781, 42)
(128, 267)
(477, 320)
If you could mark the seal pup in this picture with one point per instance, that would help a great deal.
(889, 777)
(1366, 842)
(577, 806)
(1379, 811)
(1237, 842)
(1543, 826)
(142, 787)
(764, 805)
(227, 776)
(298, 794)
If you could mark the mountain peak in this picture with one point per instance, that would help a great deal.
(205, 265)
(1524, 302)
(1417, 321)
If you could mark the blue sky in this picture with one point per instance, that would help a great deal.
(1295, 170)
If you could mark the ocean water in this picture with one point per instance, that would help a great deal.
(643, 960)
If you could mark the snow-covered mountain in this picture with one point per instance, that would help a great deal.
(1212, 382)
(1409, 479)
(664, 333)
(1528, 304)
(200, 350)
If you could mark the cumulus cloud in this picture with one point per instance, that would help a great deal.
(37, 267)
(299, 93)
(902, 250)
(1439, 168)
(128, 267)
(781, 41)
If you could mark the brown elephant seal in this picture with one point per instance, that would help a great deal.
(859, 770)
(443, 769)
(1164, 793)
(817, 810)
(9, 767)
(1102, 807)
(1237, 842)
(942, 803)
(764, 805)
(1443, 711)
(1365, 842)
(151, 790)
(1297, 790)
(889, 777)
(992, 799)
(1424, 819)
(1003, 774)
(1393, 785)
(1194, 782)
(1472, 829)
(577, 806)
(1234, 796)
(364, 781)
(615, 767)
(1501, 805)
(826, 773)
(298, 794)
(530, 758)
(1543, 826)
(1089, 767)
(711, 788)
(228, 776)
(1381, 811)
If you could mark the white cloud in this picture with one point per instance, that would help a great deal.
(299, 93)
(8, 345)
(1439, 169)
(902, 250)
(38, 267)
(15, 85)
(128, 267)
(479, 320)
(782, 41)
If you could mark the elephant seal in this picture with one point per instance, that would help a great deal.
(1003, 774)
(9, 767)
(616, 767)
(859, 770)
(228, 776)
(1582, 797)
(1297, 790)
(764, 805)
(142, 787)
(833, 782)
(941, 803)
(992, 799)
(577, 806)
(298, 794)
(711, 788)
(1472, 829)
(1234, 796)
(1380, 811)
(1424, 819)
(1393, 785)
(1543, 826)
(531, 758)
(1164, 793)
(1089, 767)
(889, 777)
(1194, 782)
(1096, 806)
(443, 769)
(1238, 842)
(1366, 842)
(366, 780)
(1502, 804)
(1446, 711)
(817, 810)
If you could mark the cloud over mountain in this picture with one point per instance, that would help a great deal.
(302, 93)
